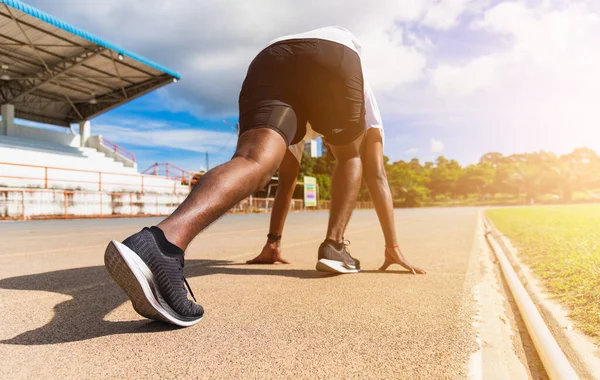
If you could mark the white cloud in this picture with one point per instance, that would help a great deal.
(211, 42)
(524, 70)
(195, 140)
(388, 61)
(411, 151)
(554, 43)
(535, 89)
(444, 14)
(477, 74)
(437, 146)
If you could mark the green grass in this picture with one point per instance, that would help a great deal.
(562, 245)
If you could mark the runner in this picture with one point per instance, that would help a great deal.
(315, 77)
(375, 177)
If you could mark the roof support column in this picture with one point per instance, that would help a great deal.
(8, 120)
(85, 130)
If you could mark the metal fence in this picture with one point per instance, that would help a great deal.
(326, 205)
(258, 205)
(36, 192)
(25, 204)
(48, 177)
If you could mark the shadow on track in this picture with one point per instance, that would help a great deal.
(95, 295)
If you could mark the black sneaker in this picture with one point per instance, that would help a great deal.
(334, 257)
(152, 279)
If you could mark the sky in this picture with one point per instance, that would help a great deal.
(458, 78)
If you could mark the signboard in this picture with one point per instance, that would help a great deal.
(310, 192)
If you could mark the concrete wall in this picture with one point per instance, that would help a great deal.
(17, 204)
(7, 123)
(68, 139)
(54, 137)
(96, 143)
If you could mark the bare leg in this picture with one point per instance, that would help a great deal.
(345, 185)
(258, 155)
(288, 176)
(376, 178)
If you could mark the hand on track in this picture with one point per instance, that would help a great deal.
(271, 254)
(395, 256)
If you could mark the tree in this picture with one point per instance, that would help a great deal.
(493, 158)
(324, 165)
(322, 169)
(307, 165)
(576, 171)
(324, 183)
(528, 178)
(444, 176)
(476, 179)
(407, 182)
(531, 174)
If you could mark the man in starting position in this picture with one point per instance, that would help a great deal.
(312, 77)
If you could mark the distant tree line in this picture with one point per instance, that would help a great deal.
(496, 178)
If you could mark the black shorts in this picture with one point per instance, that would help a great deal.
(295, 81)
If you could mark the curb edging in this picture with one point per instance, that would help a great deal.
(585, 361)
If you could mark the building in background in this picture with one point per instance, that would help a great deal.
(310, 148)
(324, 148)
(57, 75)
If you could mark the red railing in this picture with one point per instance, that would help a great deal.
(168, 170)
(118, 149)
(50, 177)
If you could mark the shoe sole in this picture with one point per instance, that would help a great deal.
(334, 266)
(137, 281)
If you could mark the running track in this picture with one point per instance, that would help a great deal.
(61, 315)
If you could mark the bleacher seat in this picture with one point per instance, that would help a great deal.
(42, 153)
(71, 168)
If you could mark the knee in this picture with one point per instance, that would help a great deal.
(260, 173)
(263, 148)
(260, 157)
(351, 168)
(375, 175)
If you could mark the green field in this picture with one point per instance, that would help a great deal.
(562, 245)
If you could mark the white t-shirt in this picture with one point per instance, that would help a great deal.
(330, 33)
(345, 37)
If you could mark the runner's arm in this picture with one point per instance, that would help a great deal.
(288, 176)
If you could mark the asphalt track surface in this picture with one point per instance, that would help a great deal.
(61, 316)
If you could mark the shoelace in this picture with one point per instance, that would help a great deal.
(346, 243)
(189, 288)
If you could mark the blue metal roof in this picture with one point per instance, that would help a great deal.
(25, 8)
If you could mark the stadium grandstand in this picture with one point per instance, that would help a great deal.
(58, 75)
(54, 79)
